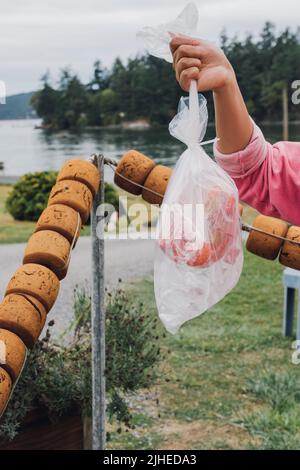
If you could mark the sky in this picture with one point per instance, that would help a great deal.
(40, 35)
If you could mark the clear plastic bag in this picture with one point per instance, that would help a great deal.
(157, 39)
(199, 254)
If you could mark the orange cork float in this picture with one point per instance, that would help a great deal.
(73, 194)
(49, 249)
(38, 306)
(135, 167)
(82, 171)
(157, 181)
(37, 281)
(14, 353)
(61, 219)
(290, 253)
(5, 389)
(19, 316)
(264, 244)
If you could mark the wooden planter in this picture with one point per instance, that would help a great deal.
(38, 433)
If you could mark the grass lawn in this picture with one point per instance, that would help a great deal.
(12, 231)
(228, 381)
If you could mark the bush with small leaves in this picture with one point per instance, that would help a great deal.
(58, 378)
(132, 346)
(29, 196)
(55, 378)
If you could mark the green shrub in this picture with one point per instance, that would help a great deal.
(55, 378)
(29, 196)
(58, 378)
(132, 346)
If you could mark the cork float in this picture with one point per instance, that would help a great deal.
(290, 253)
(38, 306)
(73, 194)
(37, 281)
(263, 244)
(157, 181)
(5, 389)
(61, 219)
(135, 167)
(82, 171)
(14, 353)
(50, 249)
(20, 317)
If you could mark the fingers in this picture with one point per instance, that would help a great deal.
(181, 40)
(188, 54)
(186, 63)
(196, 52)
(187, 75)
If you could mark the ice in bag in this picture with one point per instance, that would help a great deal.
(199, 255)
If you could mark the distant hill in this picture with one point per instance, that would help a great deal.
(17, 107)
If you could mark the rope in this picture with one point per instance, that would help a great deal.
(249, 228)
(133, 182)
(74, 238)
(245, 227)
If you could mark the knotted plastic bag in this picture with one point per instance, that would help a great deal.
(199, 255)
(157, 39)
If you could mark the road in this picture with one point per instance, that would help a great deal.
(125, 259)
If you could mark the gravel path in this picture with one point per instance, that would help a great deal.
(125, 259)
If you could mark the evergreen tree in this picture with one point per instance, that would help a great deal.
(145, 87)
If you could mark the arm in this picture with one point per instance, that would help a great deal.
(206, 63)
(233, 124)
(267, 176)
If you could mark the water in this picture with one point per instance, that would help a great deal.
(25, 149)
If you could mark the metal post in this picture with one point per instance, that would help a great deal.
(98, 318)
(288, 311)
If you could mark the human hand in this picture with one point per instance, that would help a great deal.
(196, 59)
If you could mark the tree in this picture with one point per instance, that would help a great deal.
(145, 87)
(108, 106)
(100, 78)
(73, 102)
(46, 101)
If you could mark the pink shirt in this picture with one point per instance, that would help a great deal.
(267, 176)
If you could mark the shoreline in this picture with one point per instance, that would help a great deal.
(129, 126)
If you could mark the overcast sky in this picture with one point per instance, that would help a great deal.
(37, 35)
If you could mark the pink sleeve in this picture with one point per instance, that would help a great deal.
(267, 176)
